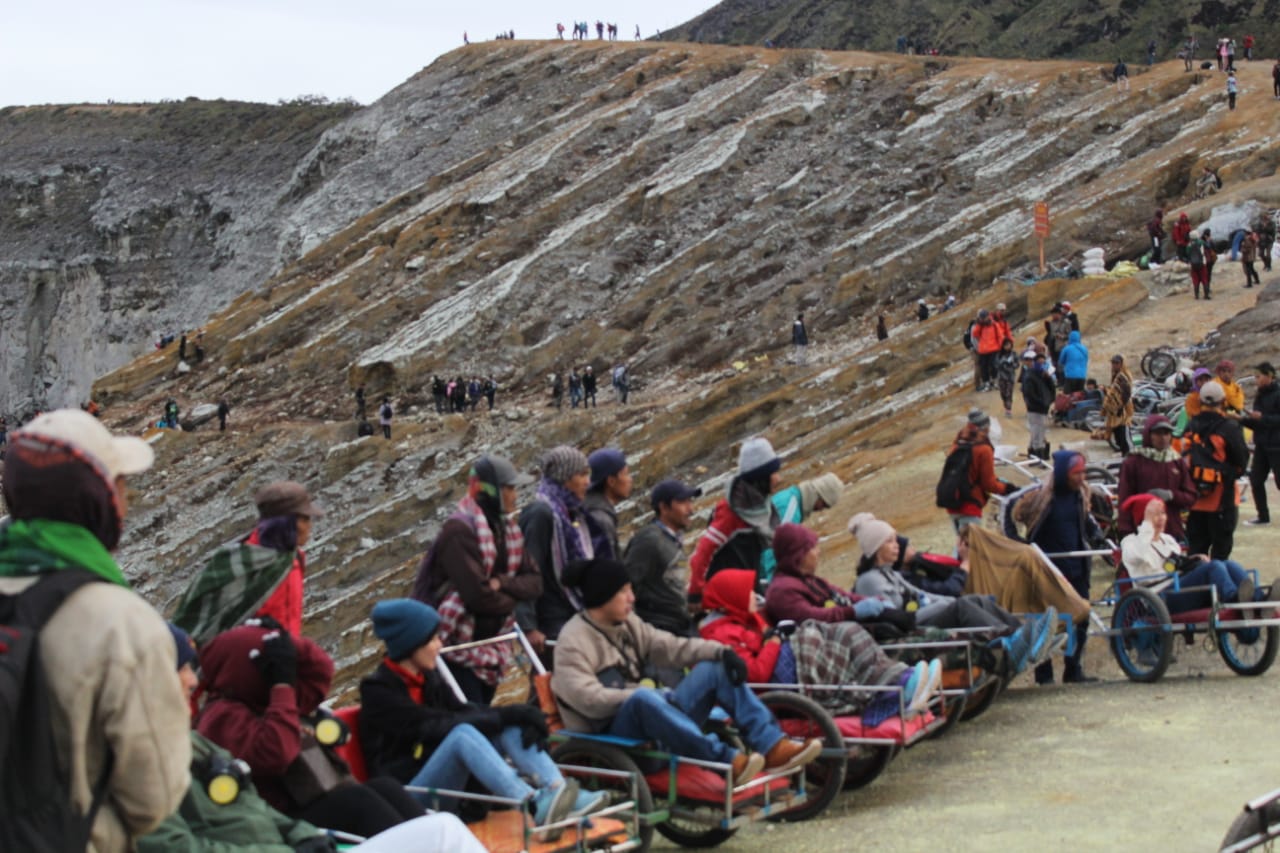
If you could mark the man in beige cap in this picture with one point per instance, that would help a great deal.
(260, 574)
(118, 718)
(285, 512)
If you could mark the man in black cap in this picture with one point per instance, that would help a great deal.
(610, 486)
(1264, 420)
(656, 562)
(477, 572)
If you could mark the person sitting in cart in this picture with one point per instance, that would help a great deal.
(602, 682)
(840, 653)
(1150, 551)
(414, 729)
(943, 603)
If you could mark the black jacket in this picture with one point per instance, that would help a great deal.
(1038, 392)
(393, 727)
(1266, 429)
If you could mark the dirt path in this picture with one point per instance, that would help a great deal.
(1113, 765)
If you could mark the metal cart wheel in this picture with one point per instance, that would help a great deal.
(1143, 643)
(588, 753)
(824, 778)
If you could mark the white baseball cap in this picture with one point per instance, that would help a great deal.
(118, 454)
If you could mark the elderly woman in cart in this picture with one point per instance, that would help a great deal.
(943, 603)
(831, 647)
(1150, 551)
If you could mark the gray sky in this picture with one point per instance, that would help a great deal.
(264, 50)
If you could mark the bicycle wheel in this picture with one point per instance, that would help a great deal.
(1159, 364)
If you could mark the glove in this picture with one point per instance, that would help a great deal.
(735, 666)
(277, 660)
(531, 720)
(316, 844)
(1163, 494)
(902, 620)
(868, 608)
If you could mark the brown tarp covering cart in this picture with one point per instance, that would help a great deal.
(1018, 576)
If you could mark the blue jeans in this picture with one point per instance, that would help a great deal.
(1224, 574)
(465, 752)
(674, 718)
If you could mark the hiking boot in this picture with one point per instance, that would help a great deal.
(1244, 591)
(552, 805)
(1258, 522)
(1044, 674)
(787, 754)
(746, 766)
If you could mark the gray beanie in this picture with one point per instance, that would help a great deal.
(979, 418)
(561, 463)
(757, 457)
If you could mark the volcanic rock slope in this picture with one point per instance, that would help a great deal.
(118, 221)
(517, 208)
(1099, 30)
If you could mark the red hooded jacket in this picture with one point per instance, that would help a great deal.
(252, 720)
(728, 595)
(285, 604)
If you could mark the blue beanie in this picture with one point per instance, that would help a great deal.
(186, 648)
(404, 624)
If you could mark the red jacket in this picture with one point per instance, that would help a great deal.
(982, 473)
(285, 604)
(1182, 231)
(727, 595)
(987, 337)
(252, 720)
(725, 525)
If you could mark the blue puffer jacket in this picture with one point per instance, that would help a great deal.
(1073, 361)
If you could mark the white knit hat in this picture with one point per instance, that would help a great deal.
(757, 457)
(871, 532)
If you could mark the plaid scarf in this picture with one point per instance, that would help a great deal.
(572, 540)
(457, 624)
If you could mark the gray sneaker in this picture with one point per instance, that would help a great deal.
(1244, 592)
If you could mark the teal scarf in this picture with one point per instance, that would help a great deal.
(39, 545)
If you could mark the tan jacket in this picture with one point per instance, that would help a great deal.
(585, 649)
(110, 662)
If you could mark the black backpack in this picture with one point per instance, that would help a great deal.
(35, 797)
(954, 488)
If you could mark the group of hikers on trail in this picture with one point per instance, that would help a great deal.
(583, 384)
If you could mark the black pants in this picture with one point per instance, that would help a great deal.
(1072, 667)
(386, 430)
(1250, 274)
(1213, 533)
(471, 686)
(1266, 461)
(1121, 436)
(987, 367)
(363, 809)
